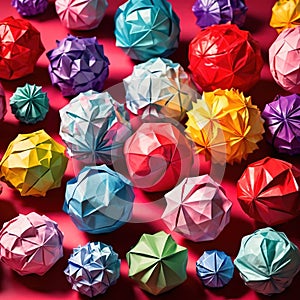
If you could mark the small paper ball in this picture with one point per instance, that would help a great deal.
(21, 47)
(223, 56)
(284, 60)
(33, 164)
(2, 103)
(225, 126)
(81, 14)
(93, 268)
(28, 8)
(267, 261)
(197, 208)
(99, 200)
(146, 29)
(269, 191)
(29, 104)
(30, 244)
(158, 156)
(78, 65)
(214, 268)
(157, 263)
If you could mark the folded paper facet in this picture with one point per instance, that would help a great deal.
(2, 103)
(99, 200)
(30, 244)
(146, 29)
(161, 83)
(158, 156)
(284, 60)
(78, 65)
(33, 164)
(28, 8)
(267, 261)
(269, 191)
(225, 126)
(93, 268)
(21, 47)
(157, 263)
(214, 268)
(29, 104)
(223, 56)
(197, 208)
(81, 14)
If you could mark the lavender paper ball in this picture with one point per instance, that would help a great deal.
(28, 8)
(2, 103)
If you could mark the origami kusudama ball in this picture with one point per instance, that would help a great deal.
(33, 164)
(93, 268)
(81, 14)
(225, 126)
(20, 48)
(269, 191)
(158, 156)
(267, 261)
(30, 244)
(210, 12)
(2, 103)
(157, 263)
(161, 83)
(29, 104)
(282, 123)
(78, 65)
(28, 8)
(99, 200)
(146, 29)
(284, 59)
(223, 56)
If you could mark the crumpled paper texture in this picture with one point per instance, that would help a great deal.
(99, 200)
(146, 29)
(197, 208)
(214, 268)
(223, 56)
(78, 65)
(225, 126)
(158, 156)
(93, 268)
(31, 244)
(267, 261)
(157, 263)
(269, 191)
(81, 14)
(284, 60)
(29, 104)
(160, 83)
(33, 163)
(3, 110)
(282, 123)
(28, 8)
(21, 47)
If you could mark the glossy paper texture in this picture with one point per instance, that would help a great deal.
(2, 103)
(28, 8)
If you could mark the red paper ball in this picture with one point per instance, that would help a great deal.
(223, 56)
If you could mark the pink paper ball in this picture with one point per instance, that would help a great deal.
(2, 103)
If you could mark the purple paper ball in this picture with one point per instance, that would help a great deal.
(29, 8)
(2, 103)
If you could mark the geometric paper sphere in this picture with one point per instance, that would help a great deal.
(2, 103)
(28, 8)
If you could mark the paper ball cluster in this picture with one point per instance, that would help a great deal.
(2, 103)
(28, 8)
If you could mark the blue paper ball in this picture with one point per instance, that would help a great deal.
(28, 8)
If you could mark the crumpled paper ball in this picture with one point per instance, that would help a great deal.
(21, 47)
(282, 123)
(284, 60)
(146, 29)
(225, 126)
(30, 244)
(158, 156)
(197, 208)
(267, 261)
(33, 164)
(285, 14)
(161, 83)
(214, 268)
(94, 127)
(28, 8)
(223, 56)
(81, 14)
(2, 103)
(93, 268)
(210, 12)
(99, 200)
(157, 263)
(29, 104)
(78, 65)
(269, 191)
